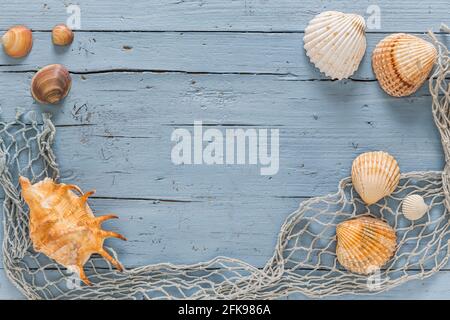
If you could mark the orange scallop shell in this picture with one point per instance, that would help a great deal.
(364, 244)
(62, 225)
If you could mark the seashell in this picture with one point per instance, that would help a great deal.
(62, 225)
(335, 42)
(62, 35)
(364, 244)
(51, 84)
(402, 62)
(414, 207)
(375, 175)
(17, 41)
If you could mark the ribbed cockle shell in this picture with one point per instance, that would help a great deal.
(375, 175)
(335, 42)
(364, 244)
(402, 62)
(62, 225)
(414, 207)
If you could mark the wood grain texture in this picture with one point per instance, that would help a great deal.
(261, 53)
(115, 128)
(142, 70)
(219, 15)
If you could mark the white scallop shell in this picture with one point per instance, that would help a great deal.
(335, 42)
(375, 175)
(414, 207)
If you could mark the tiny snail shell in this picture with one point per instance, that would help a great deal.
(51, 84)
(17, 41)
(62, 35)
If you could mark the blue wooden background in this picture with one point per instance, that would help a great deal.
(143, 68)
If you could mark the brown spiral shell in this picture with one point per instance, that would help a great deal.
(62, 35)
(51, 84)
(17, 41)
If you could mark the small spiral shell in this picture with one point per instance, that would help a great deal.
(51, 84)
(17, 41)
(62, 35)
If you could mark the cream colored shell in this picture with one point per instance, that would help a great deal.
(414, 207)
(402, 62)
(364, 244)
(335, 42)
(375, 175)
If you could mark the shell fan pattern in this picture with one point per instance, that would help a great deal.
(402, 63)
(335, 42)
(364, 244)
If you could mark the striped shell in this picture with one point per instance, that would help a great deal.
(402, 62)
(62, 225)
(335, 42)
(51, 84)
(364, 244)
(375, 175)
(414, 207)
(17, 41)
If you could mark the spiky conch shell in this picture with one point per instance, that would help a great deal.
(414, 207)
(364, 244)
(402, 62)
(62, 225)
(375, 175)
(335, 42)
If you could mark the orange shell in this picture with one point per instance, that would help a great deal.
(62, 225)
(364, 244)
(402, 62)
(62, 35)
(375, 175)
(17, 41)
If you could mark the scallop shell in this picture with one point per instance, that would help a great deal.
(17, 41)
(62, 225)
(414, 207)
(335, 42)
(364, 244)
(375, 175)
(402, 62)
(51, 84)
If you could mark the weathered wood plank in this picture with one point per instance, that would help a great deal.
(184, 233)
(277, 53)
(122, 146)
(217, 15)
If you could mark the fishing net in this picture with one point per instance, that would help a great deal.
(304, 260)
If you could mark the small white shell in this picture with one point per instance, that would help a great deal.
(335, 42)
(414, 207)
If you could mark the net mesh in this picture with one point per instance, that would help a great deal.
(304, 259)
